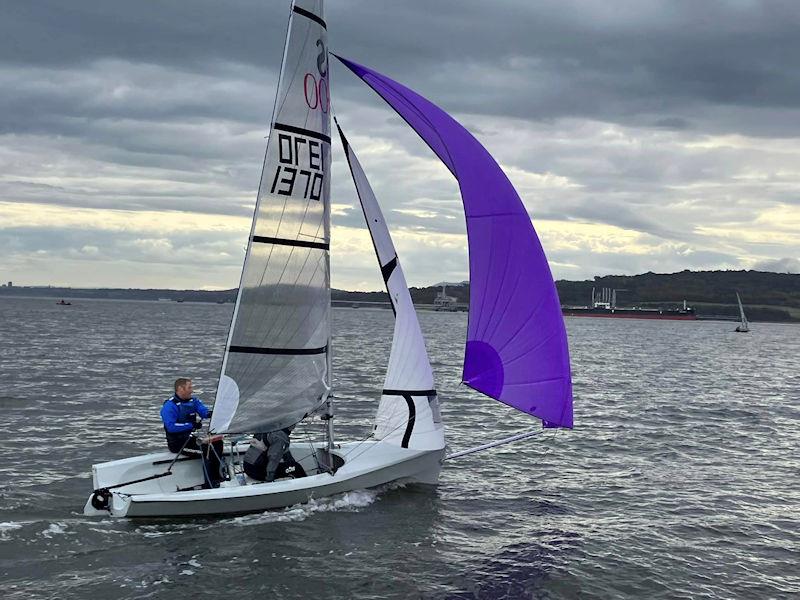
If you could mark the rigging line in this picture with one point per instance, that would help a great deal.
(508, 440)
(314, 452)
(402, 424)
(371, 435)
(360, 442)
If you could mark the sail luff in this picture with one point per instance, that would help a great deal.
(276, 364)
(503, 250)
(408, 412)
(223, 413)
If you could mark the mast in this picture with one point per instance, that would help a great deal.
(328, 416)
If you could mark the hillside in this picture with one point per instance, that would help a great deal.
(767, 296)
(755, 287)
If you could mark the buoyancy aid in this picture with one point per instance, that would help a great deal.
(179, 417)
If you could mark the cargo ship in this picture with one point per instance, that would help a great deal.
(604, 304)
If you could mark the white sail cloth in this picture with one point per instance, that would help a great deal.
(408, 413)
(276, 366)
(741, 312)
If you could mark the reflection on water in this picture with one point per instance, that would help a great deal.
(679, 480)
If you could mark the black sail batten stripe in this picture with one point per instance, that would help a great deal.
(309, 15)
(347, 151)
(301, 131)
(412, 415)
(345, 143)
(285, 351)
(409, 392)
(388, 269)
(261, 239)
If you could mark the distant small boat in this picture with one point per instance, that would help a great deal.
(744, 326)
(64, 303)
(179, 300)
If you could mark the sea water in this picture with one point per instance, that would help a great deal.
(680, 480)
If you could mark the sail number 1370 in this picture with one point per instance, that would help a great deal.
(300, 170)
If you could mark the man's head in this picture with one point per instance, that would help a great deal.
(183, 388)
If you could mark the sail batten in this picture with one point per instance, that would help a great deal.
(262, 239)
(508, 268)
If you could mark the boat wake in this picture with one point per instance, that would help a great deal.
(347, 502)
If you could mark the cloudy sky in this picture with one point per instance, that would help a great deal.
(642, 135)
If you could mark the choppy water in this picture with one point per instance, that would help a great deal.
(680, 479)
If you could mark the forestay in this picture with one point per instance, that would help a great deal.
(408, 413)
(275, 367)
(516, 349)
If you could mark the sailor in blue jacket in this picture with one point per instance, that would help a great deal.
(181, 415)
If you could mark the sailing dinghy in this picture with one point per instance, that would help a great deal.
(276, 369)
(743, 327)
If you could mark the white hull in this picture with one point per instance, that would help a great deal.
(366, 464)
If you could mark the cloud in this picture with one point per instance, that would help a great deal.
(781, 265)
(640, 135)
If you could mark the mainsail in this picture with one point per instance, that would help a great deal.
(408, 413)
(275, 368)
(516, 349)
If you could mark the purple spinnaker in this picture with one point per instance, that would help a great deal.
(516, 349)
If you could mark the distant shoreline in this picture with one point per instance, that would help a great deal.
(767, 296)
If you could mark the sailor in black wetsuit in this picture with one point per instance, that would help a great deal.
(268, 456)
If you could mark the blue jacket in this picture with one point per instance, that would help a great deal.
(178, 415)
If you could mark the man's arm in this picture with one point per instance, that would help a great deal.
(202, 410)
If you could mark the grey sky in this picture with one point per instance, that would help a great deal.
(641, 135)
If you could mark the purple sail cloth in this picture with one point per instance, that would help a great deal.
(516, 348)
